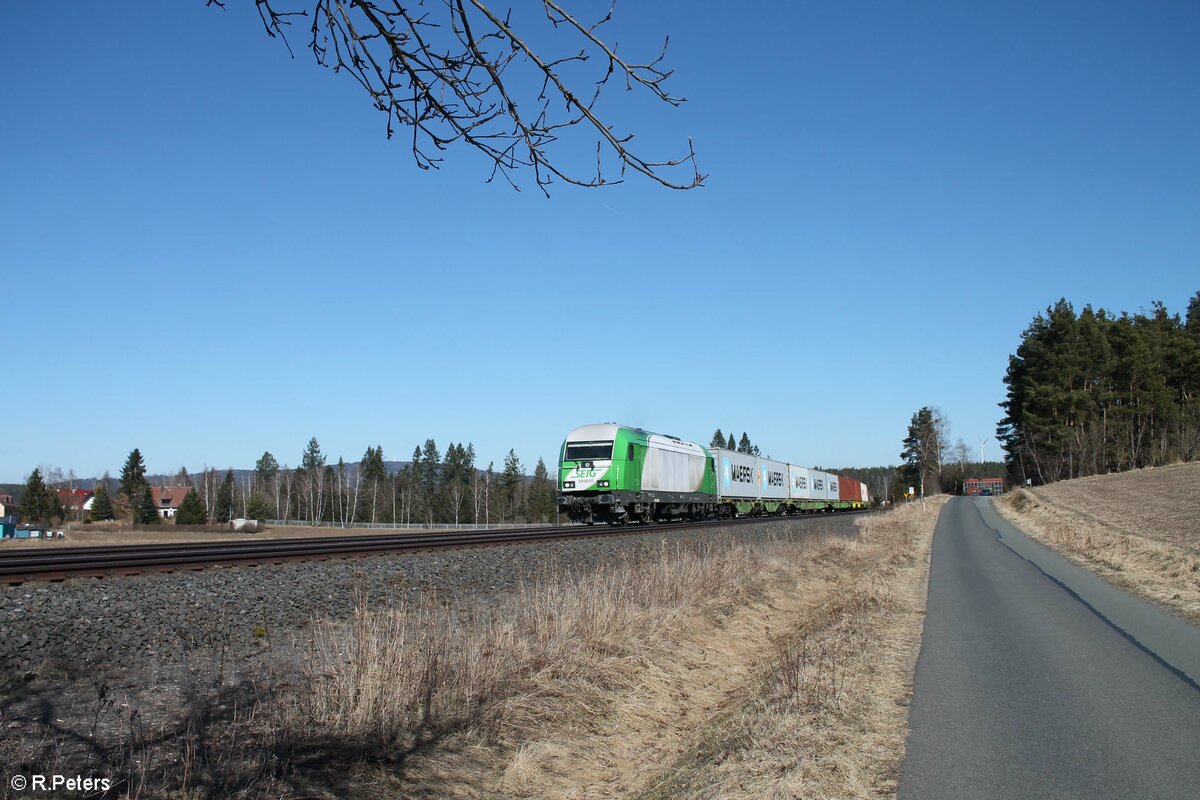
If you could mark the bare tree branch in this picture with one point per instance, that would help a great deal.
(443, 74)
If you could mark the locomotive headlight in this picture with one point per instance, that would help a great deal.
(602, 484)
(568, 484)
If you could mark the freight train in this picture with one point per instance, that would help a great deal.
(617, 474)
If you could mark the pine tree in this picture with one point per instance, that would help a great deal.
(146, 513)
(133, 476)
(372, 465)
(923, 447)
(718, 439)
(266, 468)
(224, 509)
(312, 460)
(54, 506)
(510, 482)
(257, 507)
(101, 503)
(744, 445)
(374, 474)
(312, 465)
(541, 494)
(431, 477)
(1096, 392)
(191, 510)
(457, 468)
(730, 445)
(35, 502)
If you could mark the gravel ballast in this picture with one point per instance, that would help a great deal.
(87, 624)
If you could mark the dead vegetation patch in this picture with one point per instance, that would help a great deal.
(720, 668)
(1157, 503)
(1162, 566)
(827, 713)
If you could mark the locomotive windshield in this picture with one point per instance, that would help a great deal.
(589, 451)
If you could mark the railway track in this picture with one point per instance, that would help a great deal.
(71, 562)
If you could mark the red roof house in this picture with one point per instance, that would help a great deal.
(167, 499)
(76, 499)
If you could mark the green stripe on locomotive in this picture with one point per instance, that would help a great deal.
(624, 473)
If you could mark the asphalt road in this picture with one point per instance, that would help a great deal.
(1038, 680)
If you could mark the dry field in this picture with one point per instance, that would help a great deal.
(733, 672)
(1138, 530)
(716, 667)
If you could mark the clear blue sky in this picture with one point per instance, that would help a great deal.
(209, 249)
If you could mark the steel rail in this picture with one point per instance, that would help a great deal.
(18, 567)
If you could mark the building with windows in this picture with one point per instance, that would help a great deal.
(167, 499)
(977, 486)
(76, 502)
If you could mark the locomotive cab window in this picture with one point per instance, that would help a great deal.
(629, 456)
(589, 451)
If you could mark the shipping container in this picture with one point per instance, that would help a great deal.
(799, 483)
(820, 484)
(866, 498)
(737, 474)
(772, 479)
(847, 488)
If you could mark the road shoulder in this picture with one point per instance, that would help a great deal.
(1170, 640)
(1160, 568)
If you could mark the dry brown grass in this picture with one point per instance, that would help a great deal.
(1139, 531)
(722, 669)
(730, 670)
(827, 716)
(1158, 503)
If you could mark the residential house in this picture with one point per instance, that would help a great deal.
(76, 502)
(8, 508)
(167, 499)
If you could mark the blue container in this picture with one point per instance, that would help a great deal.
(22, 534)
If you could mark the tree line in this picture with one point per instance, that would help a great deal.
(435, 487)
(743, 445)
(1098, 392)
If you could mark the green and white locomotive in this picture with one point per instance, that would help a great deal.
(617, 474)
(612, 473)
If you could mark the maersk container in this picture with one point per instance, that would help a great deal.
(672, 465)
(799, 483)
(737, 474)
(772, 479)
(825, 485)
(866, 498)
